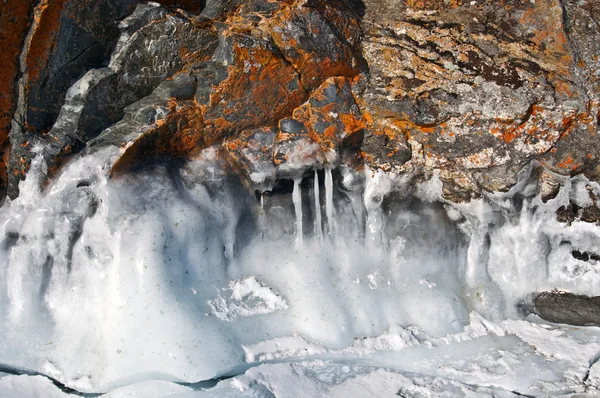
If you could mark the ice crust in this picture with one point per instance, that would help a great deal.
(488, 359)
(183, 275)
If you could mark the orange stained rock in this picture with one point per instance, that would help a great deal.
(331, 121)
(260, 89)
(340, 15)
(14, 22)
(179, 136)
(549, 33)
(247, 148)
(509, 130)
(352, 123)
(565, 88)
(43, 40)
(509, 134)
(406, 126)
(368, 118)
(330, 132)
(433, 4)
(316, 58)
(232, 145)
(568, 163)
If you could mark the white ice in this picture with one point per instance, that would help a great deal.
(178, 276)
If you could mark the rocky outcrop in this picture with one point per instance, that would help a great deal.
(14, 20)
(474, 90)
(479, 89)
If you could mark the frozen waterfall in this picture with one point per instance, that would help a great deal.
(177, 276)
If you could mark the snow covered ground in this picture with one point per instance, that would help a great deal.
(504, 359)
(184, 283)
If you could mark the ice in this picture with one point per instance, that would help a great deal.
(30, 387)
(297, 199)
(510, 358)
(41, 387)
(329, 210)
(146, 389)
(183, 275)
(246, 297)
(504, 359)
(317, 199)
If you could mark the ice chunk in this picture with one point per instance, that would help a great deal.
(246, 297)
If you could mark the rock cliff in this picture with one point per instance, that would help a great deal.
(476, 90)
(263, 174)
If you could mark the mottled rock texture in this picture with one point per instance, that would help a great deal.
(479, 89)
(476, 90)
(569, 308)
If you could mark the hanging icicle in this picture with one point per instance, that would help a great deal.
(262, 216)
(318, 227)
(297, 199)
(329, 200)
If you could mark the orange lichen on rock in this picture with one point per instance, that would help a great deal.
(568, 163)
(252, 152)
(43, 40)
(548, 34)
(14, 20)
(180, 135)
(331, 115)
(260, 89)
(311, 43)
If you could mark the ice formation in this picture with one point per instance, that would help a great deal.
(168, 277)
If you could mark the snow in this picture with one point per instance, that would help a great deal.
(29, 386)
(508, 358)
(246, 297)
(147, 283)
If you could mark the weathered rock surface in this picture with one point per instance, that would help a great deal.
(569, 308)
(15, 16)
(479, 89)
(476, 90)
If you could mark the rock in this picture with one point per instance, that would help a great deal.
(66, 39)
(193, 6)
(252, 153)
(294, 151)
(481, 89)
(314, 45)
(235, 94)
(591, 214)
(563, 307)
(567, 214)
(218, 9)
(384, 147)
(331, 115)
(550, 186)
(71, 38)
(474, 92)
(14, 19)
(260, 88)
(571, 212)
(168, 41)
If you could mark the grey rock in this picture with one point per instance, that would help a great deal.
(569, 308)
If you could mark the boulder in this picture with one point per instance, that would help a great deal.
(564, 307)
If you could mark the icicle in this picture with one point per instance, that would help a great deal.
(358, 210)
(261, 215)
(377, 186)
(329, 200)
(297, 198)
(318, 228)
